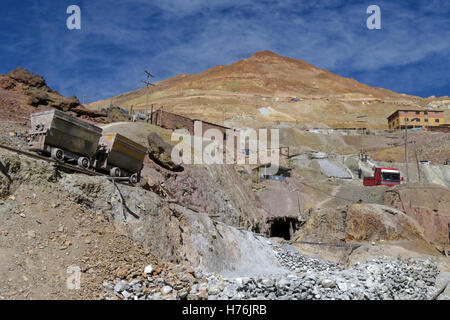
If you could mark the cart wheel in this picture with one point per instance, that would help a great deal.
(57, 154)
(133, 179)
(115, 172)
(83, 162)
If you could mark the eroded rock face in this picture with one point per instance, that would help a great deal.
(360, 223)
(31, 91)
(173, 232)
(37, 91)
(218, 190)
(428, 204)
(51, 98)
(28, 78)
(14, 171)
(7, 83)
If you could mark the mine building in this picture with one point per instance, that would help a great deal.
(423, 119)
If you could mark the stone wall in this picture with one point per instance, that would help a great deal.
(172, 121)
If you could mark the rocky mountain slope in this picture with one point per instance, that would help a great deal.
(259, 90)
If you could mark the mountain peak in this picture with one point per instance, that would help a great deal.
(265, 53)
(271, 57)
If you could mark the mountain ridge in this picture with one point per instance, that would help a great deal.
(263, 80)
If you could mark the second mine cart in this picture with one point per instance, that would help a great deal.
(120, 156)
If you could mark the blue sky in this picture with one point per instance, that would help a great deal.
(119, 39)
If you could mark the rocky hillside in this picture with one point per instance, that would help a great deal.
(23, 92)
(259, 90)
(141, 246)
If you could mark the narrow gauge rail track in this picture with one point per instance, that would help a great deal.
(124, 208)
(59, 164)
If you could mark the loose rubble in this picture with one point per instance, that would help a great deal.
(306, 279)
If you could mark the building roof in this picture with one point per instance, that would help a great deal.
(213, 124)
(178, 115)
(268, 164)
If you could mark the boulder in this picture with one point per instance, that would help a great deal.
(82, 111)
(160, 152)
(148, 270)
(328, 283)
(166, 290)
(116, 114)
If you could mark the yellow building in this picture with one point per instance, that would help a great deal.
(415, 119)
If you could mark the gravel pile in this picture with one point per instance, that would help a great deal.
(306, 279)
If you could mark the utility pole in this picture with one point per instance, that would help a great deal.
(417, 159)
(147, 84)
(151, 115)
(361, 152)
(406, 149)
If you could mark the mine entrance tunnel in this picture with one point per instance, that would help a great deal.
(283, 227)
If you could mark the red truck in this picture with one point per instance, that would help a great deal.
(384, 177)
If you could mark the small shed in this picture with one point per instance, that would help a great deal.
(260, 173)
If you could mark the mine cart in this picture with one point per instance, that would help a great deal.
(120, 157)
(64, 137)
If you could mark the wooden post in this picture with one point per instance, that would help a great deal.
(417, 160)
(146, 101)
(151, 115)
